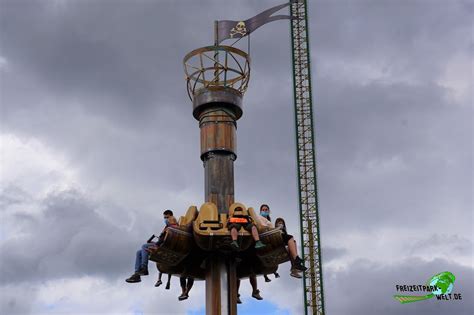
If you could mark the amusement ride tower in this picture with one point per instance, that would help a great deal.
(200, 247)
(217, 77)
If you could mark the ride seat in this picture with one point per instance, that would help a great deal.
(185, 222)
(275, 251)
(210, 227)
(237, 206)
(208, 218)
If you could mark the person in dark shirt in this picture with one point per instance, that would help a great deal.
(141, 257)
(186, 285)
(296, 262)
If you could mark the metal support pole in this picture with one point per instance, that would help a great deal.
(217, 105)
(221, 287)
(217, 113)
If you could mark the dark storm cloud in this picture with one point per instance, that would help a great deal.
(128, 54)
(69, 238)
(414, 36)
(395, 143)
(92, 48)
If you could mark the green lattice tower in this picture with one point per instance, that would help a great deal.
(305, 148)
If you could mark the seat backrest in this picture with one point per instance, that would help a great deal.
(189, 217)
(208, 212)
(208, 217)
(235, 206)
(254, 217)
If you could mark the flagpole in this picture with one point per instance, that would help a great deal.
(216, 53)
(248, 44)
(215, 33)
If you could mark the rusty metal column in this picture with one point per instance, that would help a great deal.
(217, 78)
(218, 111)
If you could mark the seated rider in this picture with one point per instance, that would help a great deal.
(263, 217)
(239, 220)
(141, 257)
(186, 283)
(255, 290)
(265, 221)
(296, 261)
(159, 282)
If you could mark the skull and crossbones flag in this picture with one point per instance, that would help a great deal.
(237, 29)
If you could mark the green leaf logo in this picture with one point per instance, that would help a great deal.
(444, 281)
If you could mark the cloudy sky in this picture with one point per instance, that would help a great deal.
(97, 138)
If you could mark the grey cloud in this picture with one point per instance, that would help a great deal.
(411, 127)
(68, 238)
(455, 244)
(12, 195)
(332, 253)
(410, 37)
(13, 301)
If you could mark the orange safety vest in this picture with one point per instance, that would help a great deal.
(238, 220)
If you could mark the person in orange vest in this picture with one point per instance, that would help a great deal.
(242, 220)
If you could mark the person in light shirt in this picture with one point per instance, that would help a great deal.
(265, 220)
(264, 217)
(296, 262)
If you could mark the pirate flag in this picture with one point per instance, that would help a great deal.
(237, 29)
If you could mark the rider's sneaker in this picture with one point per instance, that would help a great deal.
(298, 264)
(134, 278)
(295, 273)
(183, 296)
(256, 294)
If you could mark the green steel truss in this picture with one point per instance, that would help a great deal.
(305, 147)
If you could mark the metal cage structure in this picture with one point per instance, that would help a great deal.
(214, 67)
(306, 158)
